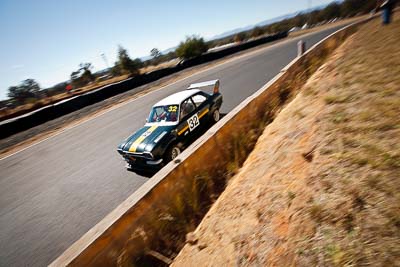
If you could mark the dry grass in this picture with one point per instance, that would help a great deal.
(355, 210)
(359, 215)
(162, 65)
(326, 26)
(322, 186)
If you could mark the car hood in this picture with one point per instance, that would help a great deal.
(144, 139)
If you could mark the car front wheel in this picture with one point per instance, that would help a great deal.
(172, 152)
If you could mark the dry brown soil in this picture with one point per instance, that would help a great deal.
(322, 186)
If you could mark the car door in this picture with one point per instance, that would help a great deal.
(189, 120)
(202, 106)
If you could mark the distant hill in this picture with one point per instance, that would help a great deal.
(264, 23)
(246, 28)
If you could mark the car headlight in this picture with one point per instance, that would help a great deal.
(159, 137)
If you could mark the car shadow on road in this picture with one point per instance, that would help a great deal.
(146, 174)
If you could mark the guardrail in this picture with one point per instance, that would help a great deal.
(162, 207)
(50, 112)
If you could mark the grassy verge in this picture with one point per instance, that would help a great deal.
(326, 26)
(358, 209)
(322, 186)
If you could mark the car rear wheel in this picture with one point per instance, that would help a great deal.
(172, 152)
(216, 116)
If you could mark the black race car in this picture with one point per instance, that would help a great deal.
(173, 123)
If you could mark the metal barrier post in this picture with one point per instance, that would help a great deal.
(301, 48)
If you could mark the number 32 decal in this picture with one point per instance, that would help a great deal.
(193, 122)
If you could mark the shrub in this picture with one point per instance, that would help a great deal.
(193, 46)
(125, 65)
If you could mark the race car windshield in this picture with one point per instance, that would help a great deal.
(167, 113)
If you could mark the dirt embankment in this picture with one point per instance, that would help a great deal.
(322, 185)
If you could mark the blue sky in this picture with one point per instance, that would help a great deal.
(46, 40)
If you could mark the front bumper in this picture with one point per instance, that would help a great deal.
(140, 162)
(143, 167)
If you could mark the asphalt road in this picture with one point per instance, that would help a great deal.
(55, 191)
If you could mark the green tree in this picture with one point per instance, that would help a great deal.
(155, 53)
(257, 31)
(86, 76)
(82, 76)
(330, 12)
(314, 17)
(75, 75)
(138, 63)
(28, 88)
(299, 20)
(156, 56)
(125, 65)
(193, 46)
(351, 7)
(240, 37)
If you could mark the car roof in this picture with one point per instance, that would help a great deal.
(177, 98)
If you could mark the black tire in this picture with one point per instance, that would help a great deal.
(172, 152)
(215, 116)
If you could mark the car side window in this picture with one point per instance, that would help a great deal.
(199, 99)
(187, 106)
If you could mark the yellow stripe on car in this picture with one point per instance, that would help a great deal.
(203, 113)
(187, 126)
(183, 129)
(141, 138)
